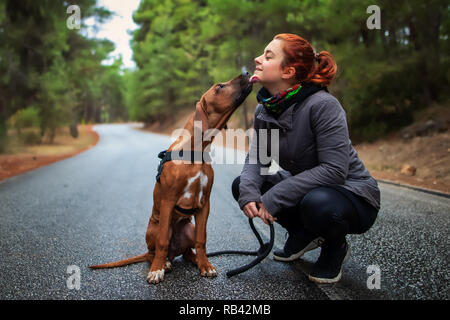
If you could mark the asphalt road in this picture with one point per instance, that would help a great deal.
(94, 208)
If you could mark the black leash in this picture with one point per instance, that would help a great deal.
(261, 253)
(264, 248)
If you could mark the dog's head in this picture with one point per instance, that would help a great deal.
(218, 103)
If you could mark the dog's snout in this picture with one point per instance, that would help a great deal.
(244, 71)
(244, 78)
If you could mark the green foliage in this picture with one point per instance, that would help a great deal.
(25, 118)
(25, 121)
(57, 71)
(182, 47)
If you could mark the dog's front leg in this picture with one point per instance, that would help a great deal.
(203, 264)
(156, 273)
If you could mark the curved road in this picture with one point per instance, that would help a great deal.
(94, 208)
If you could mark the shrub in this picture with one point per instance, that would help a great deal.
(30, 138)
(25, 118)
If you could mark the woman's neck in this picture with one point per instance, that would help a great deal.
(275, 88)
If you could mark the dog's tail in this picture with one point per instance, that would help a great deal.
(139, 258)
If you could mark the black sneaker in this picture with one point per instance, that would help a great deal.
(296, 246)
(328, 268)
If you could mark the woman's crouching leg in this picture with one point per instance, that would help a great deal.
(329, 214)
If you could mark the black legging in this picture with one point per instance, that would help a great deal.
(330, 212)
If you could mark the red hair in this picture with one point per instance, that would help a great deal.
(299, 53)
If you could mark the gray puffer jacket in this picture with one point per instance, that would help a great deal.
(314, 150)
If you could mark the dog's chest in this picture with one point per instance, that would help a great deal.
(195, 185)
(193, 195)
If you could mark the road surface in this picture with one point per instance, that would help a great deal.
(94, 208)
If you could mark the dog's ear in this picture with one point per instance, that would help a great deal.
(200, 115)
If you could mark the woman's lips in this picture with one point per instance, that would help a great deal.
(254, 79)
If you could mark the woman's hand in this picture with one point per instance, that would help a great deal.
(250, 210)
(265, 215)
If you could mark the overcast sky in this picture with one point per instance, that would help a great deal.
(116, 28)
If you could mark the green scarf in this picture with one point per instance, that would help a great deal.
(277, 103)
(283, 100)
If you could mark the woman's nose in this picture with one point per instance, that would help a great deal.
(257, 60)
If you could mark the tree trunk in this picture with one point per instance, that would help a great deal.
(3, 134)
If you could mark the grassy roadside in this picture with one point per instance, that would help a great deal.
(21, 158)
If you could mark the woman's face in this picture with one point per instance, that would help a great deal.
(268, 65)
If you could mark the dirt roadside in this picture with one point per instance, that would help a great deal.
(64, 146)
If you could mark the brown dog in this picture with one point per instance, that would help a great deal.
(187, 186)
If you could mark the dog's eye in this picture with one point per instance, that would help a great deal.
(219, 86)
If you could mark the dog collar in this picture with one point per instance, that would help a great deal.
(190, 155)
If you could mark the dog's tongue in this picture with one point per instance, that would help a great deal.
(254, 79)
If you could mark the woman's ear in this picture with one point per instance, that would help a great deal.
(200, 115)
(288, 73)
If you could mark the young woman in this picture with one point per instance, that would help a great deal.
(323, 191)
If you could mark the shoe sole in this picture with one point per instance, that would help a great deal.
(335, 279)
(311, 246)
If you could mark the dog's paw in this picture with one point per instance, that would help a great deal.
(155, 276)
(211, 273)
(208, 271)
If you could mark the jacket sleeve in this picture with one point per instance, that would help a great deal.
(251, 178)
(329, 124)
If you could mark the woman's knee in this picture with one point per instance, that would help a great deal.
(235, 187)
(326, 212)
(317, 209)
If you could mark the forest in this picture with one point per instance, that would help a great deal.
(52, 76)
